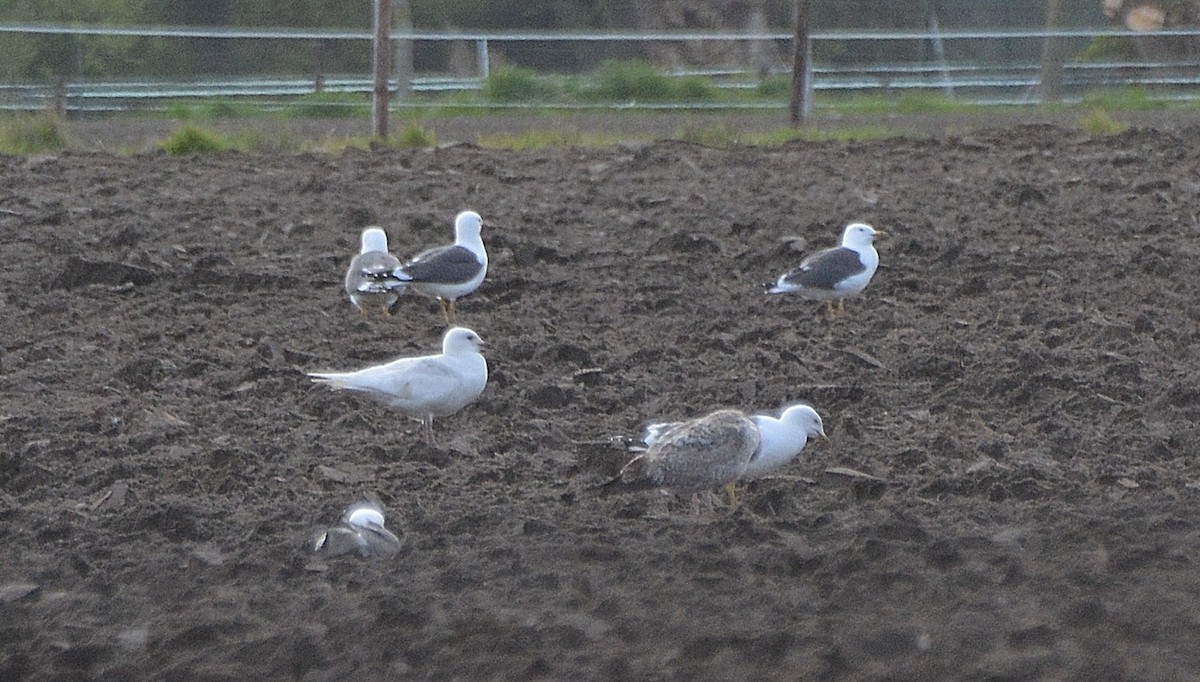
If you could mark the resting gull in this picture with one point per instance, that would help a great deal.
(693, 456)
(360, 530)
(369, 280)
(422, 387)
(835, 273)
(452, 271)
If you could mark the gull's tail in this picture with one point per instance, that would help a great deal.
(335, 380)
(634, 476)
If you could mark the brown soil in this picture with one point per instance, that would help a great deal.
(1020, 376)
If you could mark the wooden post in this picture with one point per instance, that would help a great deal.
(403, 65)
(382, 62)
(1052, 59)
(801, 56)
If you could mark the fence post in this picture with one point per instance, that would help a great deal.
(381, 57)
(801, 66)
(1051, 85)
(481, 48)
(403, 64)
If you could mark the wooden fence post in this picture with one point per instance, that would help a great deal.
(801, 55)
(1051, 84)
(403, 64)
(382, 54)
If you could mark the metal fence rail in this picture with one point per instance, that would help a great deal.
(974, 82)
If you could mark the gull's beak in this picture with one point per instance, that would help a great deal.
(822, 436)
(881, 234)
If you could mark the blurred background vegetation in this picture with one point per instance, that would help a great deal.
(40, 58)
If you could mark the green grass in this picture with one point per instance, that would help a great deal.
(635, 81)
(32, 133)
(328, 105)
(551, 139)
(191, 139)
(1122, 99)
(203, 110)
(512, 84)
(1098, 122)
(413, 136)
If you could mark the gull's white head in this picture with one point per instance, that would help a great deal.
(373, 239)
(467, 225)
(461, 340)
(363, 515)
(857, 235)
(804, 417)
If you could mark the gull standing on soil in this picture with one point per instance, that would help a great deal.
(369, 280)
(693, 456)
(835, 273)
(422, 387)
(360, 530)
(452, 271)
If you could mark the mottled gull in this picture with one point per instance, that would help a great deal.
(694, 456)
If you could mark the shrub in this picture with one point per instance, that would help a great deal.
(512, 84)
(32, 133)
(193, 140)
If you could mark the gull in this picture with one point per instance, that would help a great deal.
(360, 530)
(693, 456)
(422, 387)
(369, 280)
(783, 438)
(451, 271)
(835, 273)
(780, 440)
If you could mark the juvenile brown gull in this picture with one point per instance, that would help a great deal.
(694, 456)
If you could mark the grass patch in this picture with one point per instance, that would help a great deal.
(203, 110)
(635, 81)
(1122, 99)
(551, 139)
(413, 136)
(194, 140)
(32, 133)
(512, 84)
(1098, 122)
(774, 87)
(726, 135)
(327, 105)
